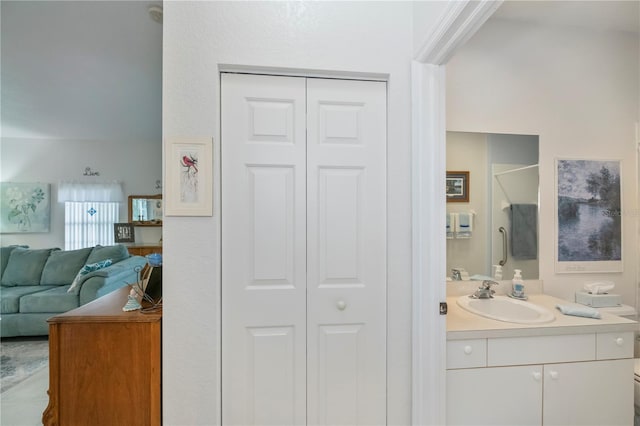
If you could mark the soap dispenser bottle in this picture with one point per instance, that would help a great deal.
(517, 285)
(497, 274)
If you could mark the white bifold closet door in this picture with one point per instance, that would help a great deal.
(304, 276)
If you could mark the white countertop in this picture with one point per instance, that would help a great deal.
(462, 324)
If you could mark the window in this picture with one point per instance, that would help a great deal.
(90, 210)
(87, 223)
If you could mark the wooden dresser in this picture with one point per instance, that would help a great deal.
(144, 249)
(104, 365)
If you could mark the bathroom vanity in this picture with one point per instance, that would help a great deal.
(571, 371)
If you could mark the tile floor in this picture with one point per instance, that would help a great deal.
(23, 404)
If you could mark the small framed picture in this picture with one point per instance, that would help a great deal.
(457, 187)
(124, 233)
(189, 176)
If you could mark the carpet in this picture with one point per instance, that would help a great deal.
(21, 357)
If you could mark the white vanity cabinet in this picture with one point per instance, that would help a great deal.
(583, 379)
(588, 393)
(495, 396)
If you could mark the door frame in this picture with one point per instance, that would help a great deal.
(302, 73)
(458, 22)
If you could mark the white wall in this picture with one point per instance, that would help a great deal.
(426, 16)
(342, 37)
(137, 164)
(575, 88)
(468, 152)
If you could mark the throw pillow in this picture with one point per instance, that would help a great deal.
(75, 288)
(115, 253)
(5, 252)
(62, 266)
(25, 266)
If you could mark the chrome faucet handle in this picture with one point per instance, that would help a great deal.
(484, 291)
(486, 284)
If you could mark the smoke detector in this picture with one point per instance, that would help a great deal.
(156, 13)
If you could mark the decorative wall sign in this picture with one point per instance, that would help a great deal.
(24, 207)
(457, 187)
(189, 177)
(124, 232)
(589, 220)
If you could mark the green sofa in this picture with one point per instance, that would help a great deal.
(35, 284)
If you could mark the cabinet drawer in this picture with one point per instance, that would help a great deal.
(144, 250)
(541, 349)
(614, 345)
(466, 353)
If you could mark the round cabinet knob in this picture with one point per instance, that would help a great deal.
(468, 349)
(341, 305)
(536, 376)
(619, 341)
(554, 375)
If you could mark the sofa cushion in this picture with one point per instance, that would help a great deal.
(10, 300)
(54, 299)
(5, 252)
(25, 266)
(86, 269)
(115, 253)
(62, 266)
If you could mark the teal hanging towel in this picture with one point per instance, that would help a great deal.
(524, 231)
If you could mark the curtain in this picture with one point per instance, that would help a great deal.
(77, 191)
(89, 223)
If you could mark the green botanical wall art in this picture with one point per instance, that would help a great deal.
(24, 207)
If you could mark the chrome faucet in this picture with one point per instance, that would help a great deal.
(484, 291)
(459, 274)
(455, 275)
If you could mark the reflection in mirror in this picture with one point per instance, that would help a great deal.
(145, 210)
(503, 205)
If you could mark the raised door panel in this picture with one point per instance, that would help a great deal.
(495, 396)
(589, 393)
(346, 269)
(263, 250)
(270, 375)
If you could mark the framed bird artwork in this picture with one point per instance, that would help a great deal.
(189, 177)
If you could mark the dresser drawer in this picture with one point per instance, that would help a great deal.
(144, 250)
(466, 353)
(541, 349)
(614, 345)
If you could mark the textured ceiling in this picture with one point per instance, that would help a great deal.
(81, 70)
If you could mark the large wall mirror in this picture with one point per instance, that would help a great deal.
(503, 204)
(145, 210)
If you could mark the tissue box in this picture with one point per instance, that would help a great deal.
(598, 300)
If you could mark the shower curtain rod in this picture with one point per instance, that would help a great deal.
(515, 170)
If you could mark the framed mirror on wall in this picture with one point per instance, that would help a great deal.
(145, 210)
(502, 203)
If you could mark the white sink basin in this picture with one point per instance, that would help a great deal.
(503, 308)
